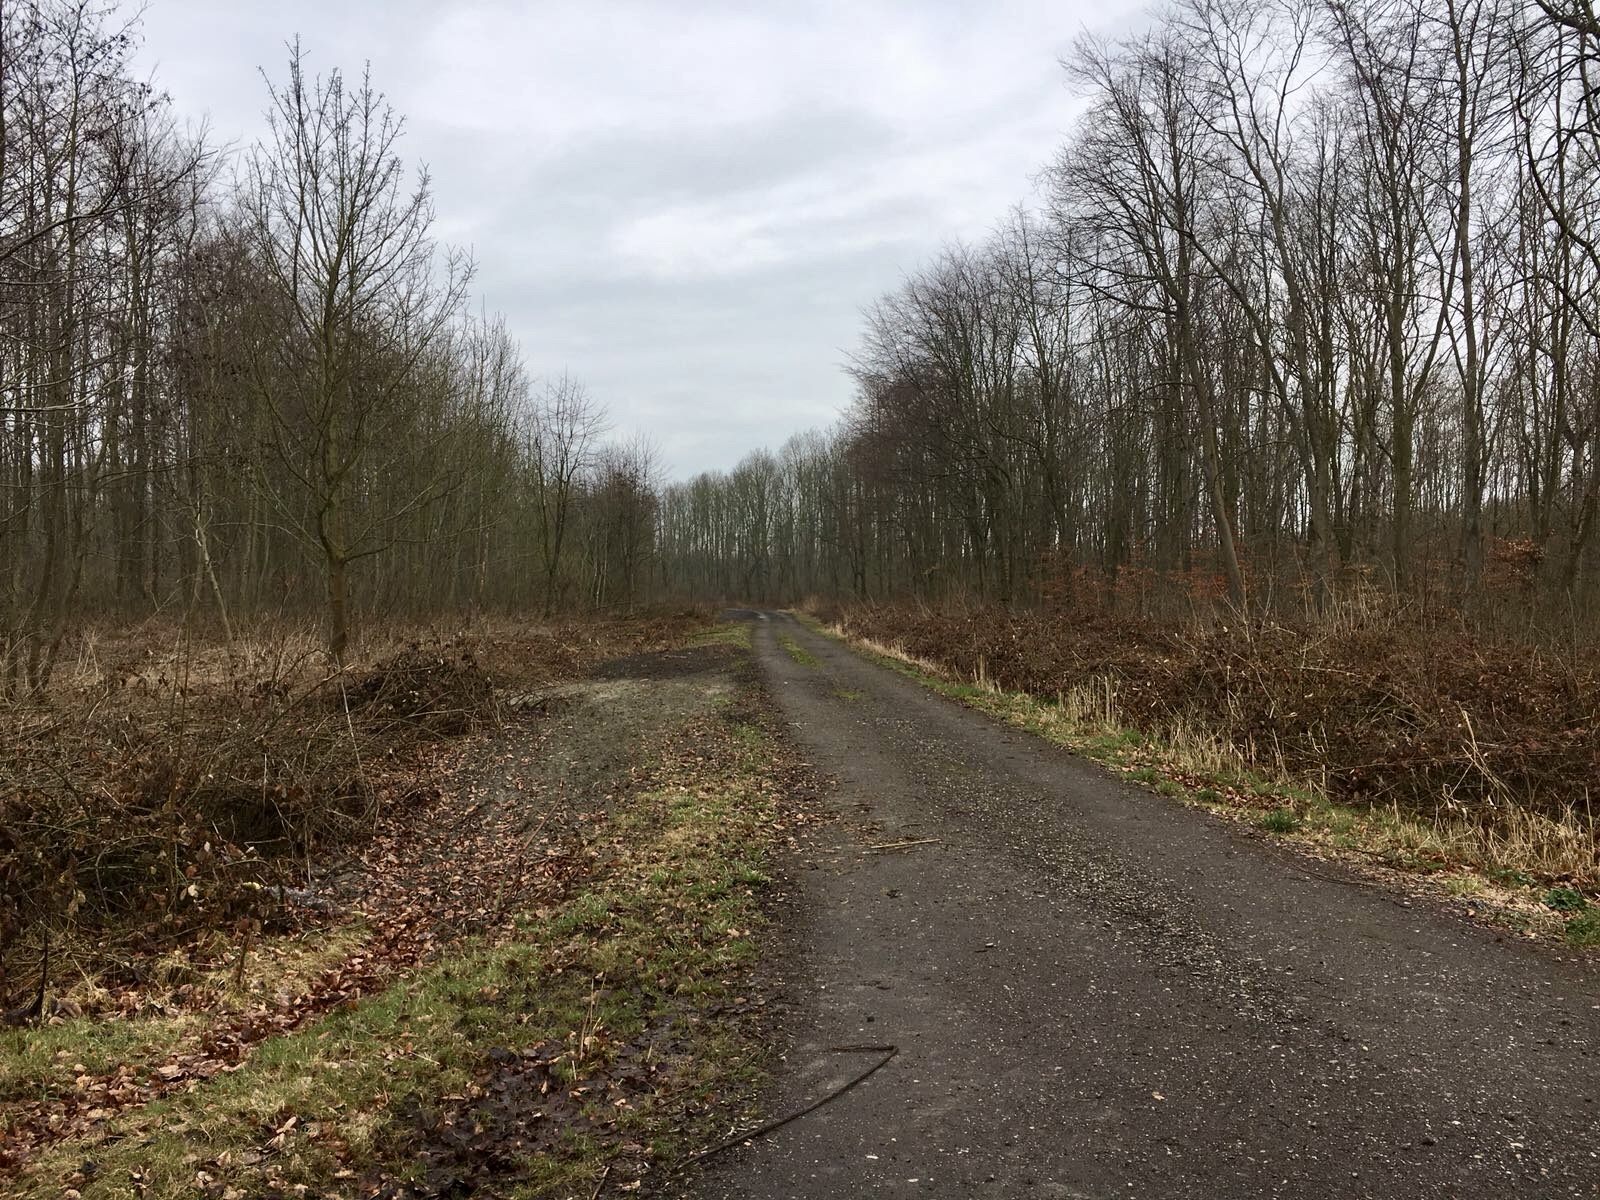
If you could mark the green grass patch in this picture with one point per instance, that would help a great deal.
(1280, 820)
(1565, 899)
(1510, 877)
(724, 633)
(1584, 929)
(40, 1064)
(43, 1063)
(1463, 885)
(796, 651)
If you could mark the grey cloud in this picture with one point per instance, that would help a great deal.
(685, 204)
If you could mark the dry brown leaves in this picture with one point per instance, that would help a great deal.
(445, 850)
(1426, 716)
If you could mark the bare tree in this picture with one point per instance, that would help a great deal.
(358, 304)
(566, 425)
(1140, 165)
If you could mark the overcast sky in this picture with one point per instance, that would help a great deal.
(684, 203)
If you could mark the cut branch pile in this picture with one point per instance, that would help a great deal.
(166, 788)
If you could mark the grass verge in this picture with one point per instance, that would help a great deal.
(597, 1044)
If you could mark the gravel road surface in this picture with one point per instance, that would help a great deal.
(1096, 992)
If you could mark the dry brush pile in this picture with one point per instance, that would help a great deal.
(1385, 708)
(165, 785)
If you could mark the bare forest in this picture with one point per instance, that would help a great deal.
(1310, 309)
(390, 800)
(259, 386)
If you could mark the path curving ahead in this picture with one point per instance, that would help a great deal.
(1099, 993)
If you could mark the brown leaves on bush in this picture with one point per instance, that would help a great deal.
(1394, 711)
(159, 791)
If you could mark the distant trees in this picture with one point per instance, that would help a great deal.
(1313, 300)
(236, 396)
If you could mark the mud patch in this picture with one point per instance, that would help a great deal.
(669, 664)
(521, 1107)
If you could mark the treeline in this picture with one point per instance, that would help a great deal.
(1314, 297)
(250, 385)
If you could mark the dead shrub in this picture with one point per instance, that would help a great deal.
(163, 785)
(440, 689)
(1390, 711)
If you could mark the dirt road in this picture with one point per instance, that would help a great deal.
(1096, 992)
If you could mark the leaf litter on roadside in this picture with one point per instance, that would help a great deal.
(532, 907)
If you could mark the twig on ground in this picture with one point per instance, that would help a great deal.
(238, 966)
(888, 1053)
(879, 847)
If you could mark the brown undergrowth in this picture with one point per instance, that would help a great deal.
(168, 786)
(1490, 746)
(537, 985)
